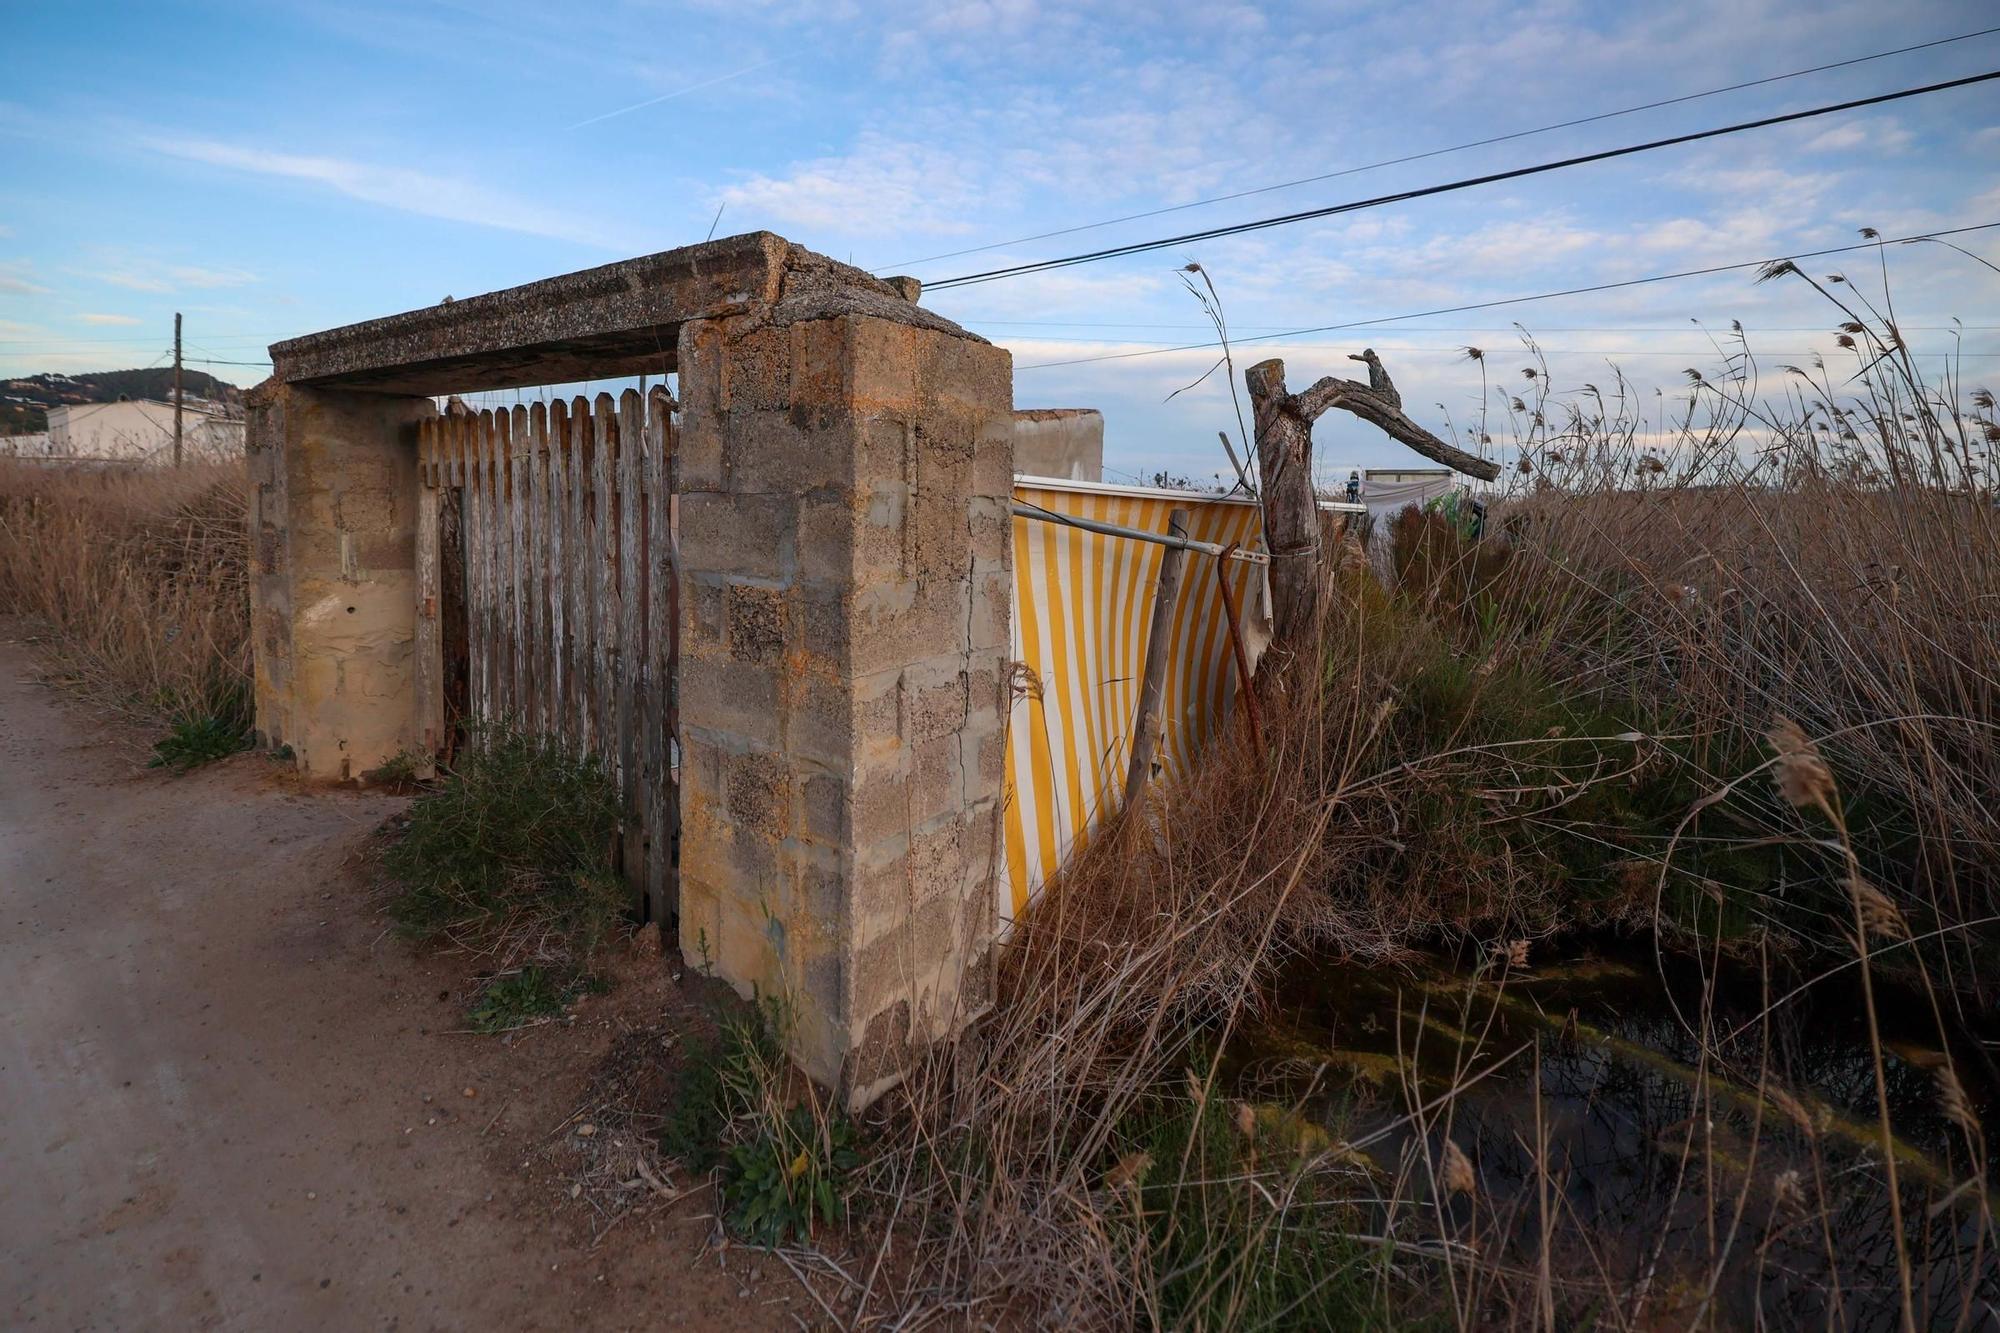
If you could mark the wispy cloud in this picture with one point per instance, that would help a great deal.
(925, 189)
(14, 279)
(172, 277)
(681, 92)
(1883, 134)
(108, 319)
(402, 188)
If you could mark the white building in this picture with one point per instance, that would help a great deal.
(142, 431)
(1387, 491)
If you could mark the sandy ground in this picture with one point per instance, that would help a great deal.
(229, 1099)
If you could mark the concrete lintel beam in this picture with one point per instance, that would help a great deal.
(612, 316)
(618, 319)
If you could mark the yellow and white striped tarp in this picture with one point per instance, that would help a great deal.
(1083, 608)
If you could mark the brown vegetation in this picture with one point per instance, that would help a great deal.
(1560, 723)
(138, 577)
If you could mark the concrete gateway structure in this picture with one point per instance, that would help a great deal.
(835, 618)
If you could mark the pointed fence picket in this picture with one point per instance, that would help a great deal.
(566, 521)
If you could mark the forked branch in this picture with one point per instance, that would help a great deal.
(1378, 403)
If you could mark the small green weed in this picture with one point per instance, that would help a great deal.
(784, 1169)
(516, 999)
(785, 1181)
(397, 772)
(203, 737)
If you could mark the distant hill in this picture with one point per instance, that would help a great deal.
(24, 403)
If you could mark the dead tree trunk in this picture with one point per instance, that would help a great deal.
(1291, 515)
(1284, 422)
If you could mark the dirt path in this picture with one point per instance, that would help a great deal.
(227, 1099)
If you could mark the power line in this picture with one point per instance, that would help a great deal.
(1458, 350)
(1424, 192)
(1444, 328)
(1517, 300)
(96, 342)
(1455, 148)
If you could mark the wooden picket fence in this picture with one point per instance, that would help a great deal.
(566, 520)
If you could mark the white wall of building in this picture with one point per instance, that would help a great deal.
(140, 431)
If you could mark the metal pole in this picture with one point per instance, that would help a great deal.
(177, 388)
(1243, 683)
(1136, 534)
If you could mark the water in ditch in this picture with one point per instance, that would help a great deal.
(1683, 1142)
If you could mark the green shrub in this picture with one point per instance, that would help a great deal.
(206, 733)
(515, 843)
(791, 1178)
(784, 1167)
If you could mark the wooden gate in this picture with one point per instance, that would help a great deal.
(566, 521)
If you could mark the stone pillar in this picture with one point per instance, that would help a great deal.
(845, 543)
(333, 574)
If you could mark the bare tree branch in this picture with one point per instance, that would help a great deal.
(1378, 403)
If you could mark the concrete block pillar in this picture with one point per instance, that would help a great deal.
(333, 573)
(845, 542)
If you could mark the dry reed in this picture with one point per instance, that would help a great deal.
(137, 580)
(1549, 727)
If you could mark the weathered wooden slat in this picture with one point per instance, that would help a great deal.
(496, 536)
(558, 572)
(582, 591)
(517, 556)
(535, 581)
(503, 564)
(632, 623)
(454, 440)
(448, 445)
(660, 575)
(478, 550)
(604, 669)
(549, 584)
(428, 668)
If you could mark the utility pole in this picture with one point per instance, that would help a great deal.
(177, 388)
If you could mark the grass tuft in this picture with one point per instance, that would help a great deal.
(202, 738)
(511, 852)
(784, 1157)
(530, 995)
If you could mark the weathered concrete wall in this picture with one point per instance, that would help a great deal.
(1066, 442)
(844, 483)
(333, 573)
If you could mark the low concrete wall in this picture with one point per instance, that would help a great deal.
(1064, 442)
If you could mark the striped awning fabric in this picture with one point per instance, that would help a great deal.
(1083, 605)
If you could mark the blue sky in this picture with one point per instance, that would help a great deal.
(275, 168)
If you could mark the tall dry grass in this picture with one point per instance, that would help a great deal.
(1563, 723)
(136, 578)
